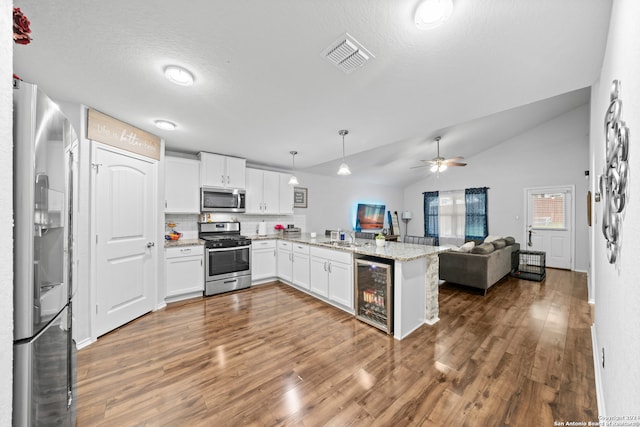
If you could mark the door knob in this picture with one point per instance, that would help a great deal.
(150, 244)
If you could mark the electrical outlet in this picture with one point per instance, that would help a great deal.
(602, 357)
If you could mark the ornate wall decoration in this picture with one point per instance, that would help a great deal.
(613, 181)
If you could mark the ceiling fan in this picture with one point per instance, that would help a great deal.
(439, 164)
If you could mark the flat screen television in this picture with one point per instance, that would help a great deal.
(370, 217)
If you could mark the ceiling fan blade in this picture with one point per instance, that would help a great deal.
(418, 167)
(455, 158)
(429, 162)
(454, 163)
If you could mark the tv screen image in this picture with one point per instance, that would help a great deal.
(370, 217)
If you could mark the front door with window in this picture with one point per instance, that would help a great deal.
(550, 224)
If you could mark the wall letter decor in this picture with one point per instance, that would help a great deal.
(613, 181)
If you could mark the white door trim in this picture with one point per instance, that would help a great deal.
(153, 218)
(571, 188)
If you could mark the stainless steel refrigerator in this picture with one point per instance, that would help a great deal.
(43, 348)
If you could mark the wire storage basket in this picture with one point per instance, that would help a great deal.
(531, 266)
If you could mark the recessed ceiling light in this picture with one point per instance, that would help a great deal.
(178, 75)
(165, 125)
(432, 13)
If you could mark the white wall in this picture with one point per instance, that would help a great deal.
(6, 215)
(554, 153)
(617, 289)
(332, 201)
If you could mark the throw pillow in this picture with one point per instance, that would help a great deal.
(467, 247)
(491, 238)
(509, 240)
(483, 249)
(500, 243)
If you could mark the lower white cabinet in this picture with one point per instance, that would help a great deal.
(332, 275)
(300, 269)
(184, 271)
(285, 260)
(263, 259)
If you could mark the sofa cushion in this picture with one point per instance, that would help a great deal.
(499, 244)
(483, 249)
(509, 240)
(467, 247)
(491, 238)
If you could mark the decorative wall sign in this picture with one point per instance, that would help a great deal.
(613, 181)
(106, 129)
(300, 196)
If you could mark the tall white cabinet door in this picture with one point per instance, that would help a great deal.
(235, 168)
(182, 185)
(212, 170)
(341, 284)
(254, 191)
(271, 188)
(301, 270)
(125, 238)
(286, 195)
(319, 276)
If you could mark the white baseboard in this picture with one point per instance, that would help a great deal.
(596, 370)
(84, 343)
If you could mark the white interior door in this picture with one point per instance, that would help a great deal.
(126, 254)
(550, 224)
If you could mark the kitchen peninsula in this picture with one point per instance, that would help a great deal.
(415, 277)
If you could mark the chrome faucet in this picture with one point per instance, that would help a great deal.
(352, 236)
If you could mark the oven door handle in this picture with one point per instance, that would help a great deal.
(233, 248)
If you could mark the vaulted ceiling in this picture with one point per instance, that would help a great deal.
(263, 88)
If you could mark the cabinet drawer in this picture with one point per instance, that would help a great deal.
(263, 244)
(300, 248)
(283, 244)
(333, 255)
(181, 251)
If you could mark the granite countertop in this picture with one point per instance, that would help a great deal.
(183, 242)
(392, 250)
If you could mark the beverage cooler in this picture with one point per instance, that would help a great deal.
(374, 292)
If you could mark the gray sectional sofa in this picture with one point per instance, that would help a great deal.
(481, 268)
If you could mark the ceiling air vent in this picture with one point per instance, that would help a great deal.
(347, 54)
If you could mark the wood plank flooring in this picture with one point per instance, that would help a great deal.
(271, 355)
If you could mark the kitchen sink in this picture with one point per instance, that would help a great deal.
(343, 243)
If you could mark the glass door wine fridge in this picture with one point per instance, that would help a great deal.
(374, 292)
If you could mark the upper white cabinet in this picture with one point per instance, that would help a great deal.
(263, 192)
(222, 171)
(181, 185)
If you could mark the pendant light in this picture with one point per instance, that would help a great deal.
(344, 167)
(293, 180)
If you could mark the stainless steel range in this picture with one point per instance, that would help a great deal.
(227, 257)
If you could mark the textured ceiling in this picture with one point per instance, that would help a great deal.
(263, 89)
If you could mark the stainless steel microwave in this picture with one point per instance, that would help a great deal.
(222, 200)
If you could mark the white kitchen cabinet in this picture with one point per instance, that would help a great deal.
(184, 272)
(300, 268)
(286, 195)
(182, 185)
(332, 276)
(263, 259)
(222, 171)
(263, 192)
(285, 260)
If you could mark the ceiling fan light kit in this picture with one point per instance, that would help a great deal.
(440, 164)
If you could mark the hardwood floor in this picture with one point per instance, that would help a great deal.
(272, 355)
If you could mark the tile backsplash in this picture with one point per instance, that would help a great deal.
(187, 224)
